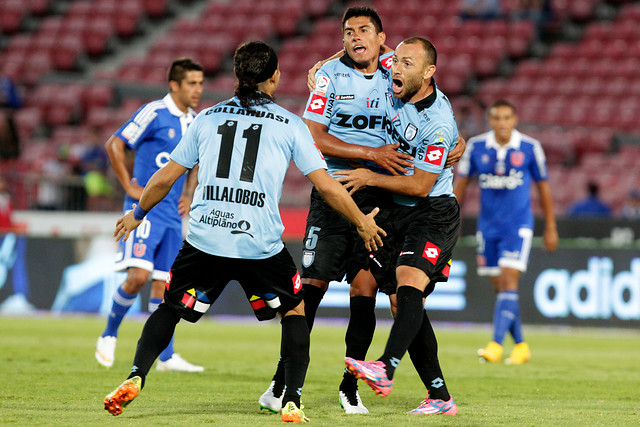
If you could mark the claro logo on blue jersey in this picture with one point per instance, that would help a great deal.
(498, 182)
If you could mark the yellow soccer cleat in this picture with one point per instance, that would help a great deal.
(491, 353)
(519, 354)
(291, 414)
(123, 395)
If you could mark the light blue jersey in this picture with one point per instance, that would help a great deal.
(505, 174)
(351, 105)
(426, 130)
(153, 132)
(243, 157)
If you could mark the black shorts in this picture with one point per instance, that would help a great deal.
(430, 231)
(197, 280)
(330, 239)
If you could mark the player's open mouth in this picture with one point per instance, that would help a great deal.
(359, 49)
(397, 86)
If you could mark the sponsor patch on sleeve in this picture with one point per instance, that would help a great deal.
(317, 104)
(130, 130)
(321, 85)
(434, 155)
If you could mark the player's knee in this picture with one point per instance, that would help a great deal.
(136, 278)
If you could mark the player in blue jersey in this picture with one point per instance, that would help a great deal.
(243, 147)
(426, 223)
(506, 162)
(153, 132)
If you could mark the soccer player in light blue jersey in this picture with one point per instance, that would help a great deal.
(506, 163)
(426, 223)
(243, 147)
(153, 132)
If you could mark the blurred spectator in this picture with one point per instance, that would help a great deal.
(591, 206)
(9, 102)
(52, 173)
(538, 11)
(94, 166)
(480, 9)
(631, 207)
(6, 207)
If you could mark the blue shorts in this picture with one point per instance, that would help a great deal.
(153, 246)
(510, 250)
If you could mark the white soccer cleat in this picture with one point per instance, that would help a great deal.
(352, 404)
(105, 351)
(177, 363)
(270, 401)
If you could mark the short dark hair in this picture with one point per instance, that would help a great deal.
(593, 188)
(369, 12)
(179, 68)
(503, 103)
(253, 63)
(429, 48)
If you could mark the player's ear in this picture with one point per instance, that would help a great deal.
(429, 72)
(174, 86)
(382, 37)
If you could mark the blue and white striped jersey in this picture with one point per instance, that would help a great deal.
(243, 157)
(504, 174)
(426, 130)
(153, 132)
(351, 105)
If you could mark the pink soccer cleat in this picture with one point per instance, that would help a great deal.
(436, 406)
(371, 372)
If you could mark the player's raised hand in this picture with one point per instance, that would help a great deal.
(125, 225)
(311, 75)
(370, 232)
(391, 159)
(455, 155)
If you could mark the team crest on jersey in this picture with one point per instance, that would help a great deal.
(307, 258)
(321, 85)
(317, 104)
(517, 158)
(485, 158)
(196, 300)
(172, 133)
(434, 155)
(410, 132)
(431, 253)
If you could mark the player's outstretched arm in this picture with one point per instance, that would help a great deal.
(156, 189)
(550, 236)
(455, 155)
(417, 185)
(386, 156)
(184, 204)
(117, 158)
(338, 198)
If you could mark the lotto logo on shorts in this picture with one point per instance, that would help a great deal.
(168, 284)
(297, 283)
(434, 155)
(139, 249)
(431, 253)
(317, 104)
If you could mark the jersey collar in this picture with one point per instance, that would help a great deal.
(427, 102)
(173, 108)
(514, 142)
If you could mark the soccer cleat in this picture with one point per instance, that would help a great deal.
(436, 406)
(292, 414)
(371, 372)
(491, 353)
(270, 401)
(105, 351)
(122, 396)
(177, 363)
(519, 354)
(351, 403)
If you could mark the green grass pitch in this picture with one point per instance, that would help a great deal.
(48, 376)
